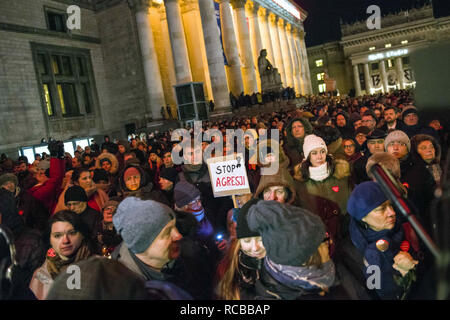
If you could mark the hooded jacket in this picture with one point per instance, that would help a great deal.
(434, 165)
(112, 159)
(294, 147)
(281, 178)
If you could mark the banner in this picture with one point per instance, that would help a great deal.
(217, 11)
(228, 175)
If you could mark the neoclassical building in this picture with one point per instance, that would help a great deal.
(370, 61)
(114, 73)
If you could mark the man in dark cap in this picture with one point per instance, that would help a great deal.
(375, 144)
(168, 177)
(76, 200)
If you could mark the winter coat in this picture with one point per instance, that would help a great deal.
(433, 166)
(293, 147)
(336, 149)
(190, 271)
(420, 185)
(420, 129)
(41, 282)
(359, 173)
(336, 187)
(365, 239)
(48, 192)
(281, 178)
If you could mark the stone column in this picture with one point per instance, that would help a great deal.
(294, 58)
(278, 63)
(178, 42)
(301, 63)
(214, 56)
(286, 54)
(399, 69)
(245, 48)
(149, 59)
(357, 82)
(384, 79)
(307, 74)
(251, 9)
(263, 15)
(233, 70)
(367, 78)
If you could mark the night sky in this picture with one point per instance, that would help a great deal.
(322, 23)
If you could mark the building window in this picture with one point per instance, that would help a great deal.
(374, 66)
(320, 76)
(56, 19)
(405, 42)
(371, 48)
(319, 63)
(322, 87)
(65, 80)
(388, 45)
(405, 60)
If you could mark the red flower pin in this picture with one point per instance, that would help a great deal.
(335, 188)
(51, 253)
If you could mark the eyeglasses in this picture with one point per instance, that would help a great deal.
(194, 202)
(381, 141)
(396, 143)
(349, 146)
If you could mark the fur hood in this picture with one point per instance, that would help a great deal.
(341, 170)
(281, 178)
(293, 142)
(417, 139)
(112, 158)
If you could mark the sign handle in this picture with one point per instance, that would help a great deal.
(234, 201)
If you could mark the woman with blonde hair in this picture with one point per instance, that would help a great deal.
(239, 270)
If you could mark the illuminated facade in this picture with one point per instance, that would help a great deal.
(113, 75)
(378, 60)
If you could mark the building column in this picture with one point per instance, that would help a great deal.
(178, 42)
(245, 48)
(357, 82)
(384, 79)
(286, 54)
(278, 63)
(367, 78)
(307, 74)
(295, 61)
(399, 69)
(263, 15)
(214, 55)
(251, 9)
(149, 59)
(233, 70)
(301, 64)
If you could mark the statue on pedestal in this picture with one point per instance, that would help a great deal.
(270, 77)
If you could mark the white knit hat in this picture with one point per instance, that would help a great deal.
(312, 142)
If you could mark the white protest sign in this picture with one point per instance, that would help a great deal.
(228, 175)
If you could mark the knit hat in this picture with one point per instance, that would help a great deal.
(102, 279)
(170, 174)
(312, 142)
(365, 197)
(99, 175)
(75, 193)
(290, 235)
(355, 117)
(399, 136)
(139, 222)
(6, 177)
(184, 193)
(124, 143)
(129, 172)
(407, 110)
(363, 129)
(242, 229)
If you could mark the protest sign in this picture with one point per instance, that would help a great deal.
(228, 175)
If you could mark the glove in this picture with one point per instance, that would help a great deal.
(61, 150)
(53, 148)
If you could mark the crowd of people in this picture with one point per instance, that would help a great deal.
(249, 100)
(144, 227)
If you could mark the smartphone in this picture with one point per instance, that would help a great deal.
(219, 237)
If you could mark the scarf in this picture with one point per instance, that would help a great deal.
(248, 269)
(435, 171)
(55, 264)
(319, 173)
(309, 278)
